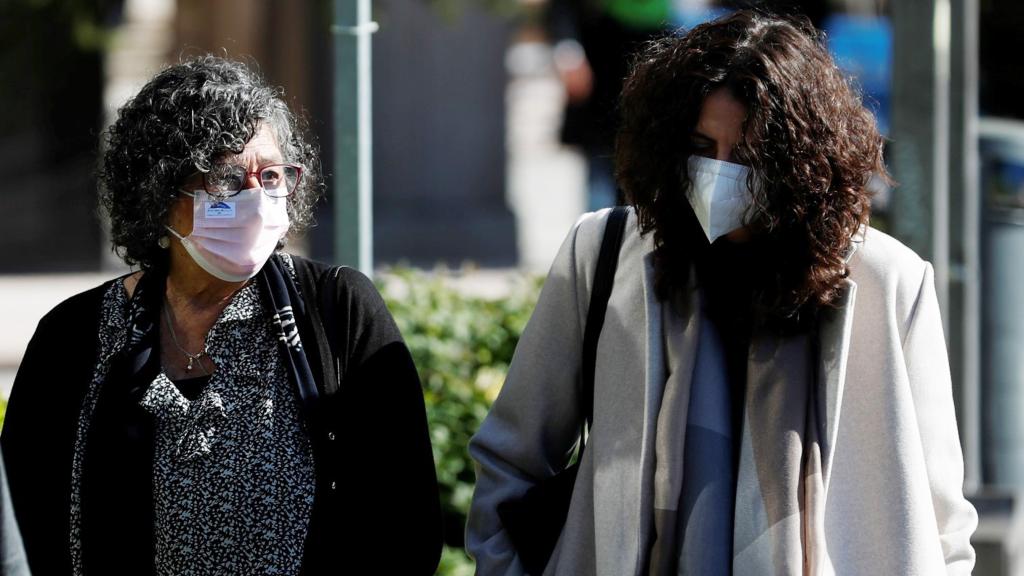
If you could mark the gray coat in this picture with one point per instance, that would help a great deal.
(891, 459)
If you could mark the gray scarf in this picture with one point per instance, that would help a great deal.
(778, 515)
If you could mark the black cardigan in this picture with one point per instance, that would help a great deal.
(376, 488)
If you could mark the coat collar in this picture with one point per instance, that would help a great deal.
(834, 329)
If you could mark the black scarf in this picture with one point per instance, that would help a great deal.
(117, 470)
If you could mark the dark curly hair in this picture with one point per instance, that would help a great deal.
(810, 143)
(180, 122)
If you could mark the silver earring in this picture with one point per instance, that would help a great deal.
(164, 242)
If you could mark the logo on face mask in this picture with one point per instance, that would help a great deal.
(220, 209)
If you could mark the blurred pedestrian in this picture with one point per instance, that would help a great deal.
(228, 408)
(592, 44)
(770, 392)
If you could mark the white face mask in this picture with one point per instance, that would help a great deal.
(232, 238)
(718, 194)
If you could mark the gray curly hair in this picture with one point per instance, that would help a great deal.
(180, 122)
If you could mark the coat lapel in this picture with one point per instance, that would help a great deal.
(833, 349)
(834, 330)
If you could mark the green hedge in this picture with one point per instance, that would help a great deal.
(462, 346)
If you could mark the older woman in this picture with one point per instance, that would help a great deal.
(228, 408)
(771, 392)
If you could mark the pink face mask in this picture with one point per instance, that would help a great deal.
(233, 237)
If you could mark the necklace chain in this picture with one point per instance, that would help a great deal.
(192, 358)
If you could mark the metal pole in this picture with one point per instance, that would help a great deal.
(353, 168)
(965, 235)
(934, 160)
(920, 133)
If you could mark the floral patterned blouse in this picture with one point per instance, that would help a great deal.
(233, 470)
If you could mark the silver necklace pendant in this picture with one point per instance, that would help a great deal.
(192, 359)
(174, 338)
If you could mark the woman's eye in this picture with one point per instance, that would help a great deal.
(271, 178)
(228, 180)
(225, 180)
(229, 175)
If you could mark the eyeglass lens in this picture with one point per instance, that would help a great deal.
(228, 179)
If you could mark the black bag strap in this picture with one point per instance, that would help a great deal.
(320, 294)
(328, 317)
(604, 279)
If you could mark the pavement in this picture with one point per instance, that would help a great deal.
(30, 297)
(546, 180)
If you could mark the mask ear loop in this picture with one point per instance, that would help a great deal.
(171, 230)
(176, 235)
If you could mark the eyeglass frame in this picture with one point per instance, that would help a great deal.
(259, 178)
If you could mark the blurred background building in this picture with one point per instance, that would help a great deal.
(469, 165)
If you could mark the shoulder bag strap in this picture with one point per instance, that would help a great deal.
(604, 279)
(328, 317)
(320, 320)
